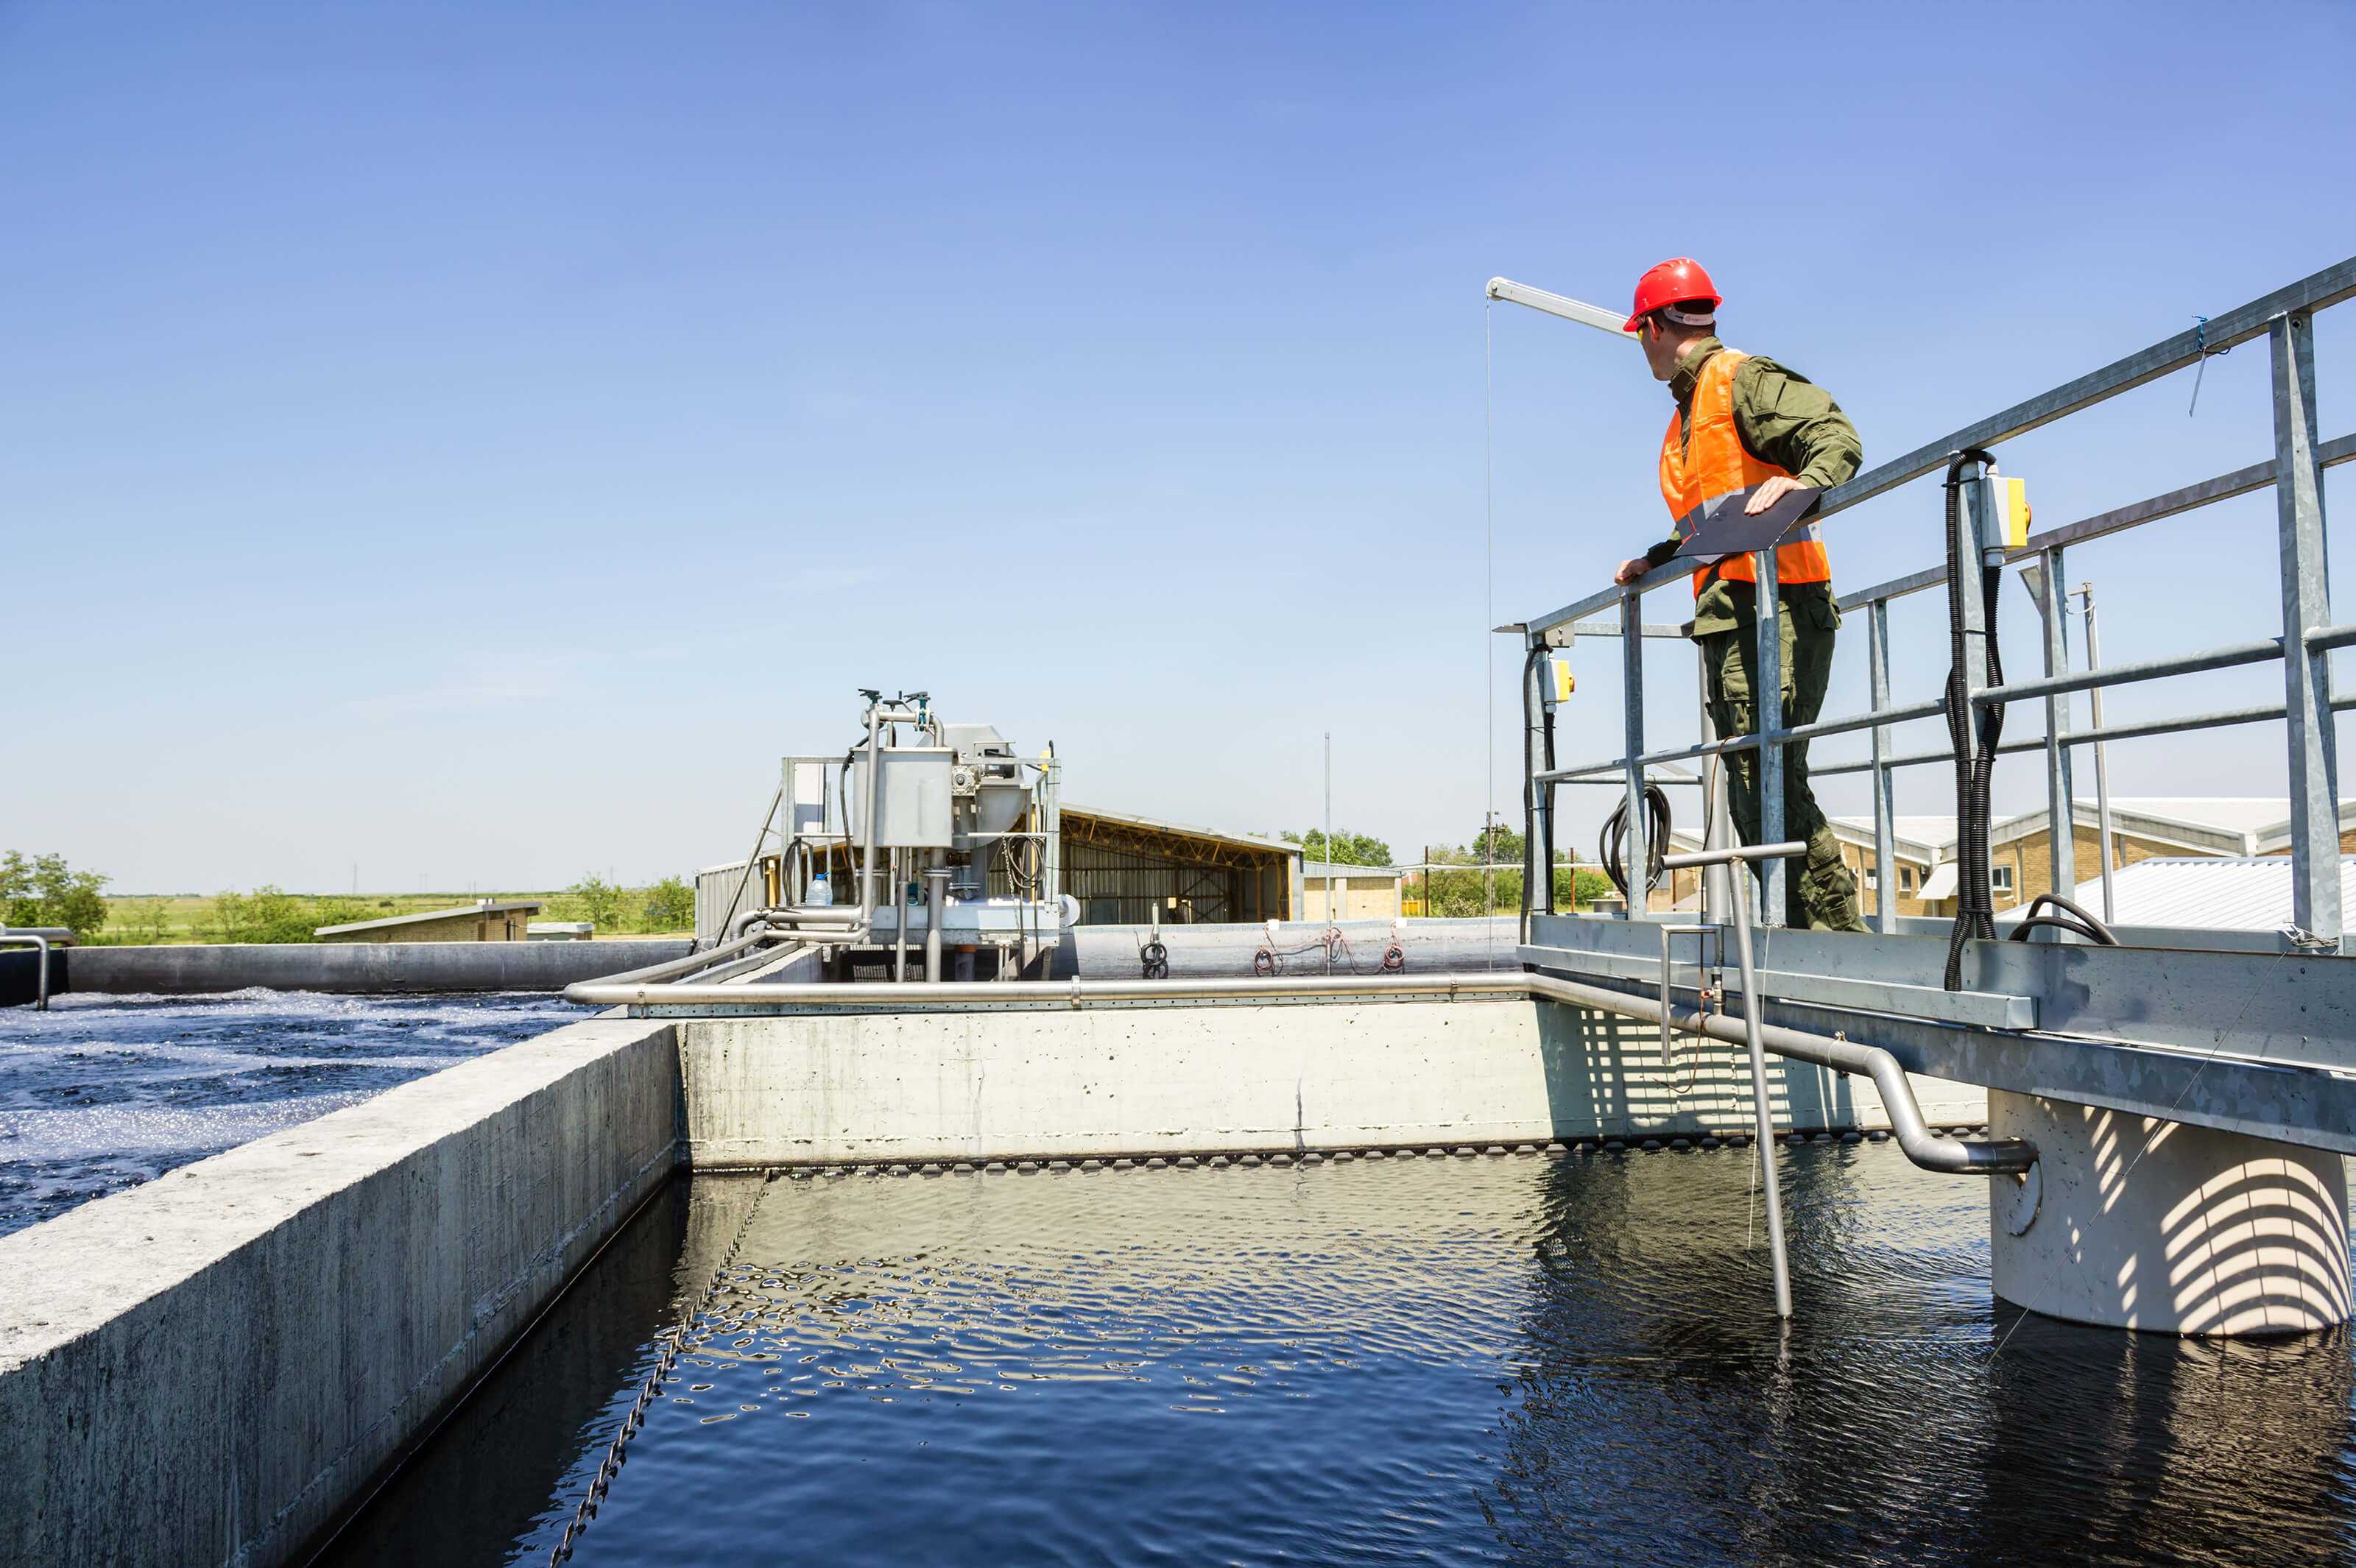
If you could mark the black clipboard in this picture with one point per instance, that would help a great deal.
(1727, 530)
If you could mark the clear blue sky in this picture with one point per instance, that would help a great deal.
(472, 441)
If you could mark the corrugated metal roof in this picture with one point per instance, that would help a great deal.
(2205, 893)
(1252, 840)
(1316, 871)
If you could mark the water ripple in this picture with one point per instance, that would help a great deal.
(1512, 1360)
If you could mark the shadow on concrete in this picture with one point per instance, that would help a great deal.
(497, 1477)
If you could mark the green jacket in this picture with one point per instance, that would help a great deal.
(1784, 419)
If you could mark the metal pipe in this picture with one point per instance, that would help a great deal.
(1668, 1062)
(2101, 754)
(1784, 851)
(672, 967)
(867, 853)
(1884, 799)
(900, 915)
(1846, 1056)
(937, 905)
(40, 961)
(1930, 708)
(1762, 1112)
(2226, 657)
(1767, 708)
(2060, 795)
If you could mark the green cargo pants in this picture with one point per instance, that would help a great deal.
(1822, 896)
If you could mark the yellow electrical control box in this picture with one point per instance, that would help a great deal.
(2009, 496)
(1564, 685)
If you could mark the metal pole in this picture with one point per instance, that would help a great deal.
(1762, 1114)
(2102, 754)
(1631, 718)
(2060, 808)
(1885, 802)
(1767, 703)
(1331, 917)
(936, 909)
(1717, 880)
(900, 914)
(2305, 604)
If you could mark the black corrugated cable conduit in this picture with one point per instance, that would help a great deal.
(1972, 735)
(2067, 917)
(1538, 847)
(1612, 844)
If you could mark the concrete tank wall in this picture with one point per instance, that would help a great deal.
(364, 967)
(211, 1368)
(1168, 1079)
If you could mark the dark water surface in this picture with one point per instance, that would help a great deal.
(1521, 1359)
(103, 1092)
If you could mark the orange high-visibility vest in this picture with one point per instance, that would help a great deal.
(1712, 468)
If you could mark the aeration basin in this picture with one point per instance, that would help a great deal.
(1484, 1357)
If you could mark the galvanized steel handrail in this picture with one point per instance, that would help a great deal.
(2308, 634)
(2174, 503)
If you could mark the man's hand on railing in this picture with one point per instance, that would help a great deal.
(1630, 571)
(1777, 486)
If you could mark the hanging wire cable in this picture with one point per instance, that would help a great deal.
(1489, 607)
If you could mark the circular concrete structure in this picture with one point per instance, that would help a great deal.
(2149, 1224)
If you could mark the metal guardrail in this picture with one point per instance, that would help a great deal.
(2295, 474)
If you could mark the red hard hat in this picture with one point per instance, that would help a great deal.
(1679, 280)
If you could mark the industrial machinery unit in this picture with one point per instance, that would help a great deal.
(925, 849)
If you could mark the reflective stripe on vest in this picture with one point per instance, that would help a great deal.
(1712, 468)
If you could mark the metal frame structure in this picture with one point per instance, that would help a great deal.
(2295, 473)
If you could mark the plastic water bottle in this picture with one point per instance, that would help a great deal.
(821, 891)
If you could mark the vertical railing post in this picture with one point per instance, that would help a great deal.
(1885, 809)
(1717, 880)
(1537, 699)
(1632, 699)
(2061, 813)
(1767, 703)
(2305, 604)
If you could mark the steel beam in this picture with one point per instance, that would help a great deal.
(2191, 497)
(2310, 293)
(2306, 603)
(2284, 1007)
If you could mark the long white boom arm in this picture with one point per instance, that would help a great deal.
(1594, 315)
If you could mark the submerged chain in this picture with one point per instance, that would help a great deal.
(673, 1343)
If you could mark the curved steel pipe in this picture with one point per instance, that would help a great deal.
(1954, 1156)
(40, 963)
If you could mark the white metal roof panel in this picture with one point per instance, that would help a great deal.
(2205, 893)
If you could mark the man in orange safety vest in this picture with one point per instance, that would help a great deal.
(1746, 433)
